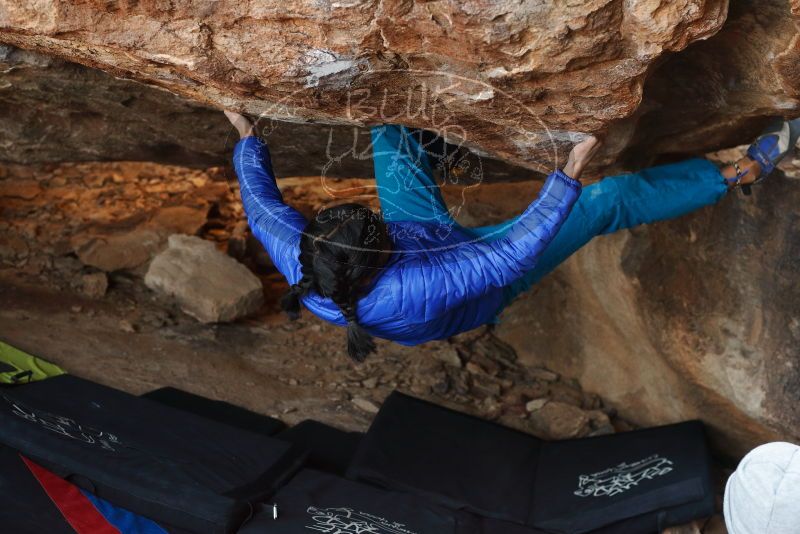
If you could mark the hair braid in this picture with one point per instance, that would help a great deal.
(290, 302)
(339, 252)
(359, 343)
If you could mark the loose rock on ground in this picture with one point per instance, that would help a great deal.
(206, 283)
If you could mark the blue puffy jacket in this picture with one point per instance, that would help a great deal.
(433, 287)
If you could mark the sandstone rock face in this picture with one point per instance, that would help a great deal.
(518, 80)
(57, 111)
(691, 318)
(717, 92)
(206, 283)
(54, 110)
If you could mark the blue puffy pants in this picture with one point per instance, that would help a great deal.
(408, 192)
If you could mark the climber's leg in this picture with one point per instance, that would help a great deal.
(404, 177)
(625, 201)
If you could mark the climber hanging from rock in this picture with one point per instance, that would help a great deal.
(398, 276)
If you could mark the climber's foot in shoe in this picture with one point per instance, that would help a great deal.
(774, 144)
(777, 140)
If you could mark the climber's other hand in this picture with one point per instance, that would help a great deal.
(241, 123)
(580, 156)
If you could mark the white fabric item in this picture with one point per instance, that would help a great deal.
(763, 494)
(794, 132)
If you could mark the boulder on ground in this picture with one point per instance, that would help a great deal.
(128, 249)
(558, 420)
(206, 283)
(116, 252)
(94, 285)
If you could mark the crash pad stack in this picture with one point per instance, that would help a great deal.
(641, 481)
(76, 456)
(170, 465)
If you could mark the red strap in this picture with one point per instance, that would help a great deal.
(79, 511)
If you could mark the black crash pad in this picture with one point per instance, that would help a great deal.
(25, 507)
(219, 411)
(452, 458)
(320, 502)
(330, 449)
(633, 482)
(166, 464)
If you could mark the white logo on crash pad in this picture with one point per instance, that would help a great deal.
(619, 479)
(349, 521)
(65, 426)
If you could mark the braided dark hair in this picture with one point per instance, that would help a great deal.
(344, 247)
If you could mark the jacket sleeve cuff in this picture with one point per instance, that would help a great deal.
(571, 182)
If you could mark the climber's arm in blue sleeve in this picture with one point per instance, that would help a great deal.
(478, 266)
(277, 226)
